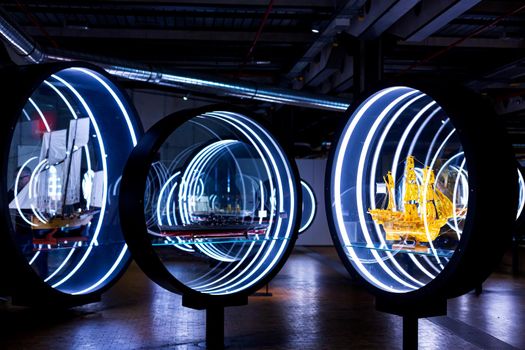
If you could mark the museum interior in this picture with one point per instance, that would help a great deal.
(262, 174)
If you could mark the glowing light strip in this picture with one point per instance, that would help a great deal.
(26, 115)
(88, 162)
(16, 191)
(421, 267)
(431, 264)
(359, 188)
(191, 174)
(373, 171)
(105, 180)
(184, 185)
(216, 115)
(33, 259)
(349, 130)
(108, 274)
(40, 114)
(194, 173)
(288, 229)
(431, 166)
(193, 183)
(246, 133)
(381, 141)
(134, 142)
(117, 100)
(521, 183)
(262, 200)
(64, 262)
(71, 110)
(402, 140)
(458, 178)
(401, 144)
(313, 209)
(434, 139)
(161, 194)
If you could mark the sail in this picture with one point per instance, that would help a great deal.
(73, 180)
(54, 146)
(78, 136)
(23, 199)
(97, 189)
(45, 146)
(78, 133)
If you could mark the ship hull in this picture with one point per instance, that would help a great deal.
(188, 232)
(398, 226)
(60, 222)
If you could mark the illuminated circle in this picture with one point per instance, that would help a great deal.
(309, 207)
(72, 130)
(410, 191)
(226, 212)
(521, 196)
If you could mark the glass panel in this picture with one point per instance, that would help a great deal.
(220, 203)
(67, 154)
(399, 189)
(309, 206)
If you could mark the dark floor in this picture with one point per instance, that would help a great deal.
(314, 306)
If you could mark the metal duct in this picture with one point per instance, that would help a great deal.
(180, 79)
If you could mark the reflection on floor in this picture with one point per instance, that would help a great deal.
(314, 306)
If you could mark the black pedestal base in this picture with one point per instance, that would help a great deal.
(214, 306)
(411, 313)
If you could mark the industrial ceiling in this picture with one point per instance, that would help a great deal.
(326, 47)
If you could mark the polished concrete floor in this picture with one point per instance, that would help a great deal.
(314, 306)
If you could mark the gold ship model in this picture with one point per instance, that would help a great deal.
(425, 211)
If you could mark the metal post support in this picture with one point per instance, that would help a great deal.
(215, 328)
(410, 332)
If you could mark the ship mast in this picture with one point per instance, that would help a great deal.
(390, 186)
(428, 196)
(410, 198)
(70, 156)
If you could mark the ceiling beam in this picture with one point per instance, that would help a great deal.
(429, 17)
(160, 34)
(321, 61)
(340, 22)
(219, 3)
(381, 16)
(507, 43)
(293, 3)
(508, 76)
(330, 62)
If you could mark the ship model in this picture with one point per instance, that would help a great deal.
(58, 213)
(425, 210)
(216, 224)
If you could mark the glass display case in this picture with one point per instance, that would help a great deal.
(71, 132)
(309, 206)
(210, 203)
(418, 208)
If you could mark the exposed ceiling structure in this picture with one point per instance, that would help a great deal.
(328, 47)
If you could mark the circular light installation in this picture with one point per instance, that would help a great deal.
(225, 214)
(70, 130)
(309, 207)
(413, 205)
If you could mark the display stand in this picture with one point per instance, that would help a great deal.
(411, 313)
(266, 293)
(214, 306)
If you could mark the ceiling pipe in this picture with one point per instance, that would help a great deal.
(27, 49)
